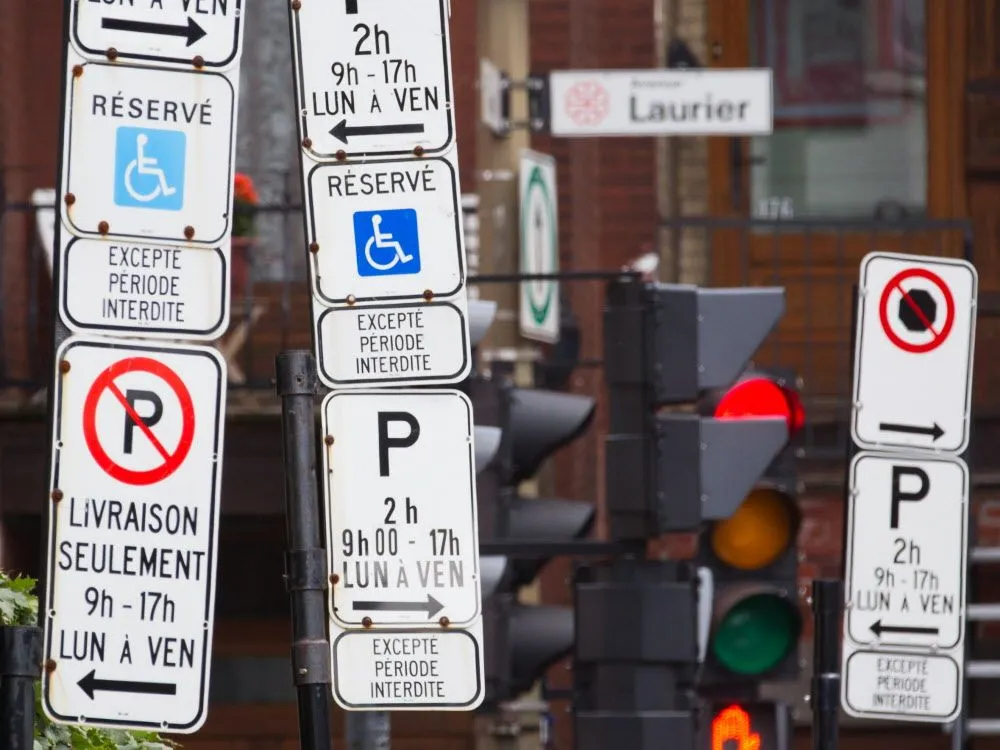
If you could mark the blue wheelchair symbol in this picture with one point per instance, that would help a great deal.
(149, 168)
(387, 242)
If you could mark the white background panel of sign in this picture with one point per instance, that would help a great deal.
(136, 472)
(913, 353)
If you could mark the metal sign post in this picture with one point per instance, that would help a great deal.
(306, 561)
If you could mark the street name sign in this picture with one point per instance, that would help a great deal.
(132, 537)
(148, 153)
(397, 223)
(423, 343)
(906, 557)
(660, 102)
(373, 77)
(539, 218)
(149, 290)
(913, 354)
(182, 33)
(403, 546)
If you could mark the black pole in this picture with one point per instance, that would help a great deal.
(305, 564)
(20, 666)
(827, 603)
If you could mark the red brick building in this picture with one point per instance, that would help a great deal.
(832, 175)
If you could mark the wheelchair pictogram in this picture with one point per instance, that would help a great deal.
(149, 168)
(387, 242)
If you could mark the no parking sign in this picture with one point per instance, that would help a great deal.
(136, 472)
(913, 356)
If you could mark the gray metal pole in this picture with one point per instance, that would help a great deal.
(305, 566)
(20, 666)
(368, 730)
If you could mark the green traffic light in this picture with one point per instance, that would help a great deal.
(756, 634)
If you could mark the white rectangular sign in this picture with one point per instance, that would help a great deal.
(661, 102)
(182, 33)
(423, 343)
(538, 197)
(373, 77)
(408, 669)
(903, 686)
(913, 354)
(906, 556)
(386, 230)
(401, 504)
(148, 153)
(403, 545)
(156, 291)
(132, 538)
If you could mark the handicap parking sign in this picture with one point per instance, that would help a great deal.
(387, 242)
(149, 168)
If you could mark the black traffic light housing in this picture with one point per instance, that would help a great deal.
(523, 640)
(635, 655)
(666, 344)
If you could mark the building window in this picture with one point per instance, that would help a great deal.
(850, 130)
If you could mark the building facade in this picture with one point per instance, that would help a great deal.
(886, 137)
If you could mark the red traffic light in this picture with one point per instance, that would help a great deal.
(761, 396)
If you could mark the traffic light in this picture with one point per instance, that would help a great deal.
(523, 640)
(724, 467)
(753, 725)
(752, 554)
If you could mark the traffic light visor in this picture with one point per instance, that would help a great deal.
(761, 529)
(757, 633)
(759, 396)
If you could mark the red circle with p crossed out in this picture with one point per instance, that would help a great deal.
(939, 334)
(106, 382)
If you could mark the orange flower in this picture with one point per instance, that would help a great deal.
(244, 189)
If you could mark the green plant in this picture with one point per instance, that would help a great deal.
(19, 606)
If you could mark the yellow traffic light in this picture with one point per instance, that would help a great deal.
(759, 531)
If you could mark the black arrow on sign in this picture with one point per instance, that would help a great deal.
(192, 30)
(935, 432)
(91, 684)
(432, 606)
(878, 628)
(341, 131)
(352, 7)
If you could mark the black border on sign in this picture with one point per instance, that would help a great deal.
(457, 212)
(402, 381)
(863, 300)
(180, 61)
(151, 350)
(76, 325)
(412, 706)
(849, 548)
(65, 211)
(298, 68)
(902, 714)
(471, 454)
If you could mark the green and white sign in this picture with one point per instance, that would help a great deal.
(539, 246)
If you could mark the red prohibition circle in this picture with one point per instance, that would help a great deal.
(896, 284)
(106, 381)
